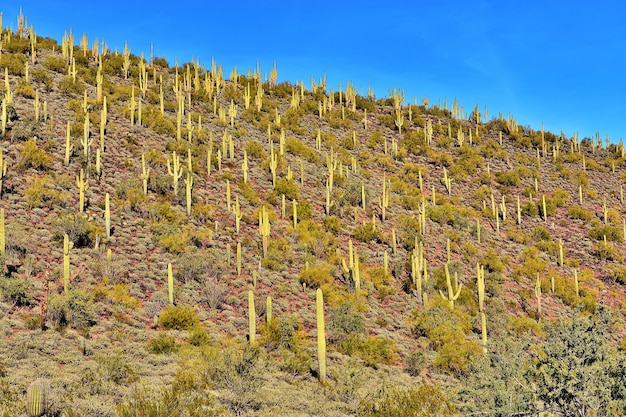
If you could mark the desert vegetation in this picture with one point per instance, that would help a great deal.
(176, 241)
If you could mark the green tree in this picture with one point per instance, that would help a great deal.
(577, 373)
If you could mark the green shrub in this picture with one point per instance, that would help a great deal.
(34, 157)
(279, 253)
(317, 275)
(374, 351)
(81, 230)
(56, 64)
(74, 309)
(115, 368)
(255, 150)
(510, 178)
(332, 224)
(366, 232)
(579, 213)
(456, 355)
(178, 317)
(162, 344)
(606, 251)
(298, 148)
(285, 332)
(15, 63)
(424, 400)
(612, 233)
(15, 290)
(416, 362)
(198, 336)
(288, 188)
(69, 87)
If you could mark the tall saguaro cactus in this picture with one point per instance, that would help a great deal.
(321, 335)
(67, 246)
(83, 185)
(145, 174)
(174, 170)
(251, 318)
(170, 284)
(107, 214)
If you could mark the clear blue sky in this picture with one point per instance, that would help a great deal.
(559, 62)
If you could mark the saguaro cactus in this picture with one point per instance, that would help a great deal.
(264, 228)
(83, 185)
(107, 214)
(188, 186)
(37, 398)
(174, 170)
(453, 294)
(251, 318)
(321, 335)
(67, 246)
(170, 284)
(145, 174)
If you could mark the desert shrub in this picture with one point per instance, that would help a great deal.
(492, 261)
(560, 197)
(286, 187)
(443, 214)
(69, 87)
(162, 344)
(238, 371)
(40, 75)
(374, 351)
(612, 233)
(332, 224)
(81, 230)
(190, 266)
(24, 89)
(175, 242)
(524, 324)
(56, 64)
(74, 309)
(15, 290)
(416, 362)
(198, 336)
(298, 148)
(317, 275)
(456, 355)
(509, 178)
(606, 251)
(178, 317)
(618, 273)
(579, 213)
(279, 253)
(424, 400)
(179, 398)
(366, 232)
(255, 150)
(541, 233)
(14, 63)
(152, 117)
(33, 157)
(115, 368)
(24, 130)
(531, 264)
(283, 332)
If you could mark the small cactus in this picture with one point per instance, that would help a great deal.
(37, 398)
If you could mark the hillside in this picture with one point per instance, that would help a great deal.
(466, 262)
